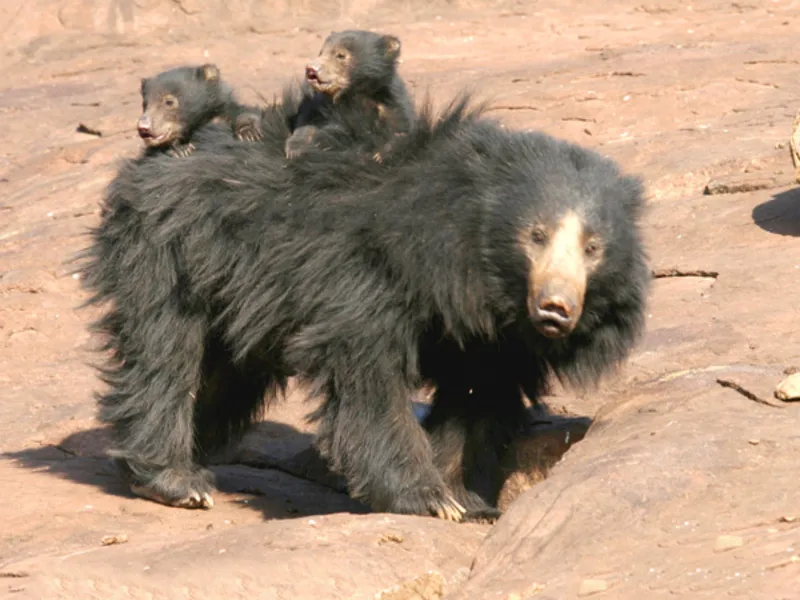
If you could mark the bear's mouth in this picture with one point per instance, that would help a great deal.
(312, 76)
(329, 87)
(552, 328)
(319, 85)
(553, 323)
(153, 140)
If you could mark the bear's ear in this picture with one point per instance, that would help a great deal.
(208, 72)
(633, 200)
(392, 45)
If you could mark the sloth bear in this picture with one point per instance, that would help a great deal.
(480, 260)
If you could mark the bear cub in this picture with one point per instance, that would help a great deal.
(177, 102)
(355, 70)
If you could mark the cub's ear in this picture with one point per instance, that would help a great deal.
(392, 46)
(208, 72)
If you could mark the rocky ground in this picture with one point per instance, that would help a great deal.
(685, 484)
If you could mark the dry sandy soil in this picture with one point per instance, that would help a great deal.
(686, 484)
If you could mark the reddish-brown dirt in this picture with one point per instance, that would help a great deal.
(686, 485)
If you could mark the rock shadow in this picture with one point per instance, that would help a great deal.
(781, 214)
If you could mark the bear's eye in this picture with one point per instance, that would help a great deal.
(539, 235)
(170, 101)
(591, 248)
(341, 55)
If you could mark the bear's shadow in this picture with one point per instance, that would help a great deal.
(293, 481)
(781, 214)
(275, 469)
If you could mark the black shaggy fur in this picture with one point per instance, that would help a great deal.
(233, 269)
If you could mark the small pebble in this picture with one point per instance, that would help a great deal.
(728, 542)
(391, 537)
(110, 540)
(789, 388)
(592, 586)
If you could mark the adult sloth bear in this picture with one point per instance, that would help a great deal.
(478, 259)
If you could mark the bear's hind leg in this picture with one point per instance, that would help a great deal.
(477, 413)
(153, 383)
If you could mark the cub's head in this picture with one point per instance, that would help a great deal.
(354, 61)
(177, 101)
